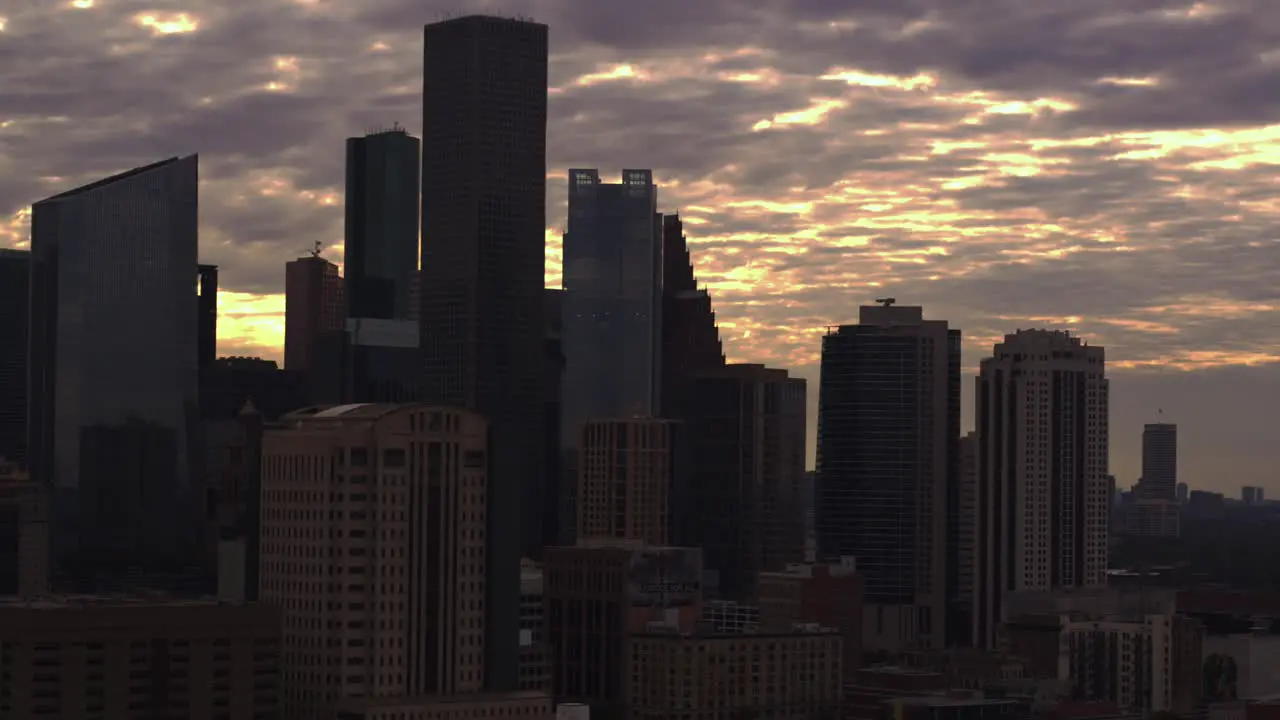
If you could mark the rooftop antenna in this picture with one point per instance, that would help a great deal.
(886, 301)
(315, 249)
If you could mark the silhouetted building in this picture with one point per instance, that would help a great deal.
(404, 506)
(626, 472)
(207, 316)
(370, 361)
(15, 309)
(742, 505)
(484, 165)
(314, 304)
(381, 242)
(233, 498)
(559, 502)
(1252, 495)
(113, 657)
(888, 428)
(1159, 462)
(1043, 484)
(24, 533)
(229, 382)
(114, 349)
(690, 338)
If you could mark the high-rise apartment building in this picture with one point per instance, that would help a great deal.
(113, 374)
(381, 241)
(1043, 505)
(888, 425)
(742, 505)
(207, 316)
(314, 304)
(690, 338)
(484, 167)
(626, 472)
(373, 521)
(134, 657)
(1159, 462)
(612, 304)
(15, 317)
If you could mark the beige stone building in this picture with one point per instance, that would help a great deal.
(373, 546)
(695, 676)
(117, 658)
(24, 534)
(626, 471)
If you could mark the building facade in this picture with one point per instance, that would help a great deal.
(626, 472)
(830, 595)
(113, 657)
(690, 337)
(373, 546)
(314, 304)
(746, 427)
(15, 319)
(1042, 458)
(484, 166)
(24, 533)
(113, 375)
(207, 316)
(887, 461)
(380, 249)
(612, 305)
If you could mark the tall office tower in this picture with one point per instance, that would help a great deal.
(746, 424)
(1159, 462)
(114, 374)
(373, 544)
(888, 424)
(314, 295)
(690, 338)
(15, 308)
(559, 502)
(484, 166)
(207, 316)
(381, 240)
(965, 555)
(612, 300)
(626, 471)
(1042, 471)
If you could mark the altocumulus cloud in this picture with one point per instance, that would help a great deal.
(1098, 166)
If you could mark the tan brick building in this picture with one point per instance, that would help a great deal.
(695, 676)
(626, 471)
(120, 658)
(830, 595)
(373, 545)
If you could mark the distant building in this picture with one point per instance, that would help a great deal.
(730, 616)
(15, 320)
(889, 421)
(114, 377)
(1044, 510)
(380, 247)
(1181, 493)
(965, 515)
(314, 305)
(1137, 665)
(597, 594)
(690, 337)
(626, 472)
(746, 426)
(207, 316)
(399, 492)
(1159, 462)
(368, 361)
(535, 652)
(1252, 495)
(702, 675)
(829, 595)
(230, 382)
(484, 220)
(24, 533)
(508, 706)
(114, 657)
(559, 501)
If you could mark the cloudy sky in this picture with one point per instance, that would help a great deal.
(1102, 166)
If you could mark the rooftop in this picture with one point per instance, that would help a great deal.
(54, 602)
(118, 177)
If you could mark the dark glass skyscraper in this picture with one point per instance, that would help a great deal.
(381, 241)
(484, 130)
(207, 309)
(113, 374)
(15, 288)
(690, 338)
(888, 430)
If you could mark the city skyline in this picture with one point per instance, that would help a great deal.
(1147, 291)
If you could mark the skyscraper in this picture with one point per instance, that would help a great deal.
(1159, 462)
(1043, 487)
(15, 288)
(207, 313)
(114, 372)
(484, 130)
(381, 241)
(888, 428)
(612, 301)
(313, 306)
(690, 338)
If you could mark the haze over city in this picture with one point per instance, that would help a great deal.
(1092, 166)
